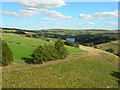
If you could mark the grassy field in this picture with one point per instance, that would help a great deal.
(113, 45)
(23, 46)
(111, 57)
(88, 71)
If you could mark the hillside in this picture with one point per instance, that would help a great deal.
(87, 70)
(22, 47)
(94, 68)
(109, 56)
(113, 45)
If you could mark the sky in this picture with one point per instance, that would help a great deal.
(59, 14)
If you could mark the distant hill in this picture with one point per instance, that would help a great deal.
(111, 45)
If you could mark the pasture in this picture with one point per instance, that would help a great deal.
(23, 46)
(87, 71)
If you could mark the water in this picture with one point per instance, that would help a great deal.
(71, 39)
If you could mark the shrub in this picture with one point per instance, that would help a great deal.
(109, 50)
(61, 50)
(118, 53)
(77, 44)
(49, 52)
(7, 56)
(69, 43)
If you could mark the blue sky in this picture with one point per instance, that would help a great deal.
(61, 14)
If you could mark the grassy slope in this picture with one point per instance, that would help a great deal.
(111, 57)
(89, 71)
(23, 47)
(113, 45)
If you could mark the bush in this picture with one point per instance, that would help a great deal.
(69, 43)
(77, 44)
(61, 50)
(118, 53)
(49, 52)
(7, 56)
(109, 50)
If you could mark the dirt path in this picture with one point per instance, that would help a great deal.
(99, 52)
(109, 61)
(91, 51)
(42, 64)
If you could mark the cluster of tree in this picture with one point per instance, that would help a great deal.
(49, 52)
(91, 40)
(86, 39)
(7, 56)
(39, 35)
(69, 43)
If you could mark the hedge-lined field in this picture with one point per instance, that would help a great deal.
(23, 46)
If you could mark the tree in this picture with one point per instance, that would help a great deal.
(59, 44)
(19, 32)
(95, 46)
(7, 56)
(69, 43)
(38, 55)
(61, 50)
(118, 53)
(109, 50)
(77, 44)
(48, 52)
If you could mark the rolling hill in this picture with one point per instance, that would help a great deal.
(88, 70)
(113, 45)
(23, 46)
(94, 68)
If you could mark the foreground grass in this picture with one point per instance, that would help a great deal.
(22, 47)
(85, 72)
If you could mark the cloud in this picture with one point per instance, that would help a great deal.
(87, 23)
(43, 4)
(90, 23)
(85, 16)
(100, 15)
(112, 23)
(106, 14)
(39, 7)
(48, 19)
(22, 13)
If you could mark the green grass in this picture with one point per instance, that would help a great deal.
(23, 46)
(84, 72)
(113, 45)
(20, 51)
(73, 50)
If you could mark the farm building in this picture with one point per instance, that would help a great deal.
(48, 40)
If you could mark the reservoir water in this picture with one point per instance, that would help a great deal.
(71, 39)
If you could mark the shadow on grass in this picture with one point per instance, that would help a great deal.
(27, 60)
(117, 75)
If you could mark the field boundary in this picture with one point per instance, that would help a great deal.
(59, 61)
